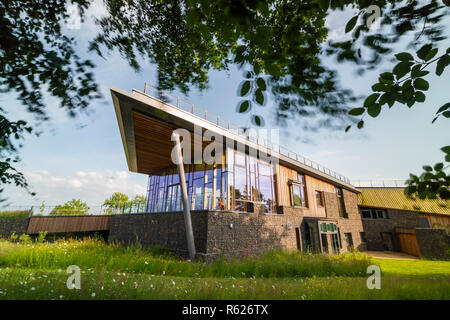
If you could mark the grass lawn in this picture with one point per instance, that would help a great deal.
(38, 271)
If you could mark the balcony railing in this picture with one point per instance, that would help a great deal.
(386, 183)
(189, 107)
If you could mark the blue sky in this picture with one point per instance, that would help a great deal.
(84, 158)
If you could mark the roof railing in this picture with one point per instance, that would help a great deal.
(227, 125)
(380, 183)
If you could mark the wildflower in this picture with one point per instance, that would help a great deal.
(93, 294)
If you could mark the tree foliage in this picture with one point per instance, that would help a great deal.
(279, 44)
(121, 203)
(74, 207)
(37, 58)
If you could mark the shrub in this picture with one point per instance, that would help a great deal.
(14, 214)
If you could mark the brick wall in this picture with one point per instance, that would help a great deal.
(10, 225)
(352, 224)
(397, 219)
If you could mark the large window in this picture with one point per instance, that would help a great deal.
(298, 192)
(341, 203)
(230, 186)
(250, 180)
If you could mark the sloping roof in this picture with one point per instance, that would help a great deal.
(395, 198)
(146, 123)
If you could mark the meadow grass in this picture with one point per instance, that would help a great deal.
(110, 271)
(93, 253)
(38, 284)
(420, 267)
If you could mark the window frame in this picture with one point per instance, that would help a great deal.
(321, 197)
(300, 183)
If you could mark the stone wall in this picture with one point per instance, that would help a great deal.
(433, 243)
(397, 219)
(160, 229)
(242, 233)
(227, 233)
(10, 225)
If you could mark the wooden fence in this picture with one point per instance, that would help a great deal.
(68, 224)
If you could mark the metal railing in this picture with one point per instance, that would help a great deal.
(381, 183)
(52, 210)
(189, 107)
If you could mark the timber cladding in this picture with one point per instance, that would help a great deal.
(284, 174)
(60, 224)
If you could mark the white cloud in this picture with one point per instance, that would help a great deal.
(92, 187)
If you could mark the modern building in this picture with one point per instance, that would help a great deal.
(394, 222)
(250, 195)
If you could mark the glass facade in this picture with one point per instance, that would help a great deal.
(240, 180)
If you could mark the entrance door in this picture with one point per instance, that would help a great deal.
(335, 243)
(311, 240)
(387, 241)
(324, 242)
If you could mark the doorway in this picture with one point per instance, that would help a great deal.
(388, 244)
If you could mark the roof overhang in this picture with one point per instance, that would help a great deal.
(145, 123)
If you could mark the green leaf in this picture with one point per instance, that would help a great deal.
(404, 56)
(446, 149)
(261, 84)
(374, 110)
(370, 100)
(421, 84)
(438, 166)
(356, 111)
(257, 120)
(431, 54)
(427, 168)
(387, 76)
(245, 88)
(244, 106)
(415, 71)
(419, 96)
(351, 24)
(442, 63)
(402, 68)
(348, 128)
(259, 97)
(423, 52)
(443, 108)
(360, 124)
(380, 87)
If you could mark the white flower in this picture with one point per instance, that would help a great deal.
(93, 294)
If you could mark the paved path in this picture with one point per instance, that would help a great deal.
(391, 255)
